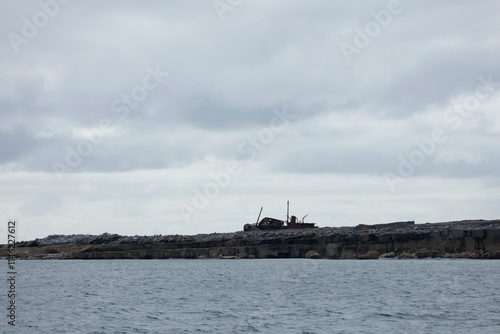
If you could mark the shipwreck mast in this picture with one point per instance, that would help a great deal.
(287, 211)
(259, 215)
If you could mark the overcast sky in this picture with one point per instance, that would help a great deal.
(185, 117)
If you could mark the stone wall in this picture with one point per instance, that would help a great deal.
(387, 225)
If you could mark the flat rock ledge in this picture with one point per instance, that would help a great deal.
(472, 239)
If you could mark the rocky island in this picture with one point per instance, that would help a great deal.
(474, 239)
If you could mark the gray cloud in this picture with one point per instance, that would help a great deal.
(15, 144)
(226, 78)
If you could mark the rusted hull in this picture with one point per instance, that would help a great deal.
(276, 225)
(269, 224)
(301, 225)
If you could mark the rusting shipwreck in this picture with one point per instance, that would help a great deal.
(268, 223)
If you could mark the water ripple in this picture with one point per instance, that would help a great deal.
(259, 296)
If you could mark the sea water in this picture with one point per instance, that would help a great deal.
(256, 296)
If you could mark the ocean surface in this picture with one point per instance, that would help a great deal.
(257, 296)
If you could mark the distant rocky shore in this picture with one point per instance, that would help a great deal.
(474, 239)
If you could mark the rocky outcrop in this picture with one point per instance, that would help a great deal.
(467, 239)
(312, 254)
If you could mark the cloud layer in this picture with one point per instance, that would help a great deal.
(85, 95)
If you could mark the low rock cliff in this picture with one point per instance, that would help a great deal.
(466, 239)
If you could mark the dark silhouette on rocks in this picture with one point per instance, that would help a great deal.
(475, 239)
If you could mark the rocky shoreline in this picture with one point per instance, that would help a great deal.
(474, 239)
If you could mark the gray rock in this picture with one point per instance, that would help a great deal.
(406, 256)
(387, 255)
(369, 255)
(312, 254)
